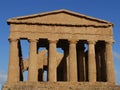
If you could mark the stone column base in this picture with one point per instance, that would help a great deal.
(60, 86)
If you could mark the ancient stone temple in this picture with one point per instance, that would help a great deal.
(86, 62)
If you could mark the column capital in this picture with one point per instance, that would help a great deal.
(73, 41)
(109, 42)
(53, 41)
(13, 39)
(32, 40)
(91, 42)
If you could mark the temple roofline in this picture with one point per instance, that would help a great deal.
(18, 19)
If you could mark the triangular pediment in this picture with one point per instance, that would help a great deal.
(60, 17)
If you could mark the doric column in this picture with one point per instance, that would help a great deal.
(13, 70)
(109, 63)
(33, 70)
(91, 61)
(52, 61)
(72, 62)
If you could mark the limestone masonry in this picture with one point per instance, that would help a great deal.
(85, 64)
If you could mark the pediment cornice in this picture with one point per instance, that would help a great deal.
(60, 17)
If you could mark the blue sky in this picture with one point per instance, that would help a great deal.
(103, 9)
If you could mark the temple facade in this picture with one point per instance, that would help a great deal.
(86, 59)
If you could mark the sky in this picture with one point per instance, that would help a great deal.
(103, 9)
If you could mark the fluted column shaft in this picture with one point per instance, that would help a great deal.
(52, 62)
(91, 62)
(33, 70)
(13, 70)
(109, 63)
(72, 62)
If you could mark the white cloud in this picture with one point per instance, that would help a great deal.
(116, 55)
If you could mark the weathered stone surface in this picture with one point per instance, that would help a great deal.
(42, 60)
(60, 86)
(86, 62)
